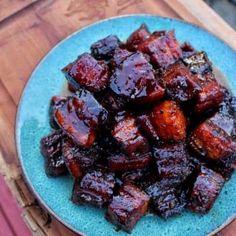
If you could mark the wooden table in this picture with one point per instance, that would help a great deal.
(28, 30)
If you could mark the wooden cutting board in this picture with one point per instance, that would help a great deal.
(28, 30)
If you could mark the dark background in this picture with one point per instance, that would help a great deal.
(226, 9)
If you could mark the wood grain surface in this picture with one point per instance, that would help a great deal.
(9, 8)
(10, 214)
(28, 30)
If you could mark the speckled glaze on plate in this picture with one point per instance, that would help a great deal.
(33, 123)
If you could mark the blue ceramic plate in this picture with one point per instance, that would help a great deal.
(33, 123)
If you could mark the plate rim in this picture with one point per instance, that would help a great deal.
(19, 106)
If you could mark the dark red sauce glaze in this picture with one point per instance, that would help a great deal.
(169, 121)
(137, 37)
(104, 48)
(96, 188)
(166, 200)
(87, 72)
(127, 134)
(172, 163)
(127, 207)
(205, 190)
(146, 128)
(162, 48)
(180, 83)
(134, 80)
(80, 116)
(51, 149)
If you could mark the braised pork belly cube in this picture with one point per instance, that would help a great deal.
(211, 141)
(78, 159)
(211, 95)
(86, 72)
(127, 134)
(135, 81)
(169, 121)
(137, 37)
(165, 200)
(80, 116)
(180, 83)
(127, 207)
(120, 54)
(163, 49)
(95, 188)
(224, 167)
(205, 190)
(55, 103)
(187, 49)
(51, 149)
(198, 63)
(172, 162)
(225, 119)
(104, 48)
(121, 162)
(145, 124)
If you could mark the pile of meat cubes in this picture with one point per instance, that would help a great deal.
(147, 128)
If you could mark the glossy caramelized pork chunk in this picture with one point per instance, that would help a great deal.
(95, 188)
(127, 134)
(51, 149)
(212, 141)
(180, 83)
(211, 94)
(137, 37)
(127, 207)
(224, 120)
(78, 159)
(169, 121)
(104, 48)
(87, 72)
(205, 190)
(172, 161)
(80, 116)
(162, 48)
(134, 80)
(121, 162)
(165, 200)
(146, 121)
